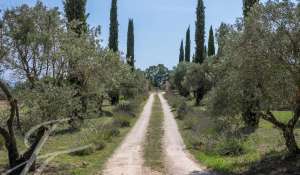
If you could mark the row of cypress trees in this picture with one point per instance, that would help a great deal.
(200, 50)
(114, 32)
(75, 10)
(249, 116)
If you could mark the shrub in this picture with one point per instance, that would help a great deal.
(230, 147)
(182, 110)
(121, 122)
(124, 106)
(190, 122)
(99, 144)
(174, 100)
(110, 132)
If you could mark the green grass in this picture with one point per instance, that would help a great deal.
(79, 165)
(265, 141)
(153, 153)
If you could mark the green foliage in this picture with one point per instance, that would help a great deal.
(46, 102)
(187, 55)
(230, 147)
(121, 122)
(211, 43)
(130, 44)
(197, 80)
(113, 28)
(125, 106)
(182, 110)
(200, 32)
(177, 77)
(221, 35)
(181, 52)
(247, 6)
(157, 75)
(75, 11)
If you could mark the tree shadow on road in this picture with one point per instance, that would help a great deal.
(202, 173)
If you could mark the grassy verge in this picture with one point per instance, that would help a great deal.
(106, 131)
(264, 144)
(153, 145)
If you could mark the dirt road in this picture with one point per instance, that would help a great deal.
(178, 160)
(128, 158)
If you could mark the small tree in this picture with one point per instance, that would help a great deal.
(200, 32)
(188, 45)
(75, 12)
(198, 81)
(130, 44)
(177, 78)
(181, 52)
(211, 43)
(113, 42)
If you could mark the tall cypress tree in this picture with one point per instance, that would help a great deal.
(200, 32)
(211, 43)
(188, 45)
(249, 106)
(248, 4)
(130, 44)
(75, 10)
(113, 28)
(181, 52)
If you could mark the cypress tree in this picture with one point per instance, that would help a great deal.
(188, 45)
(221, 38)
(75, 10)
(249, 106)
(130, 44)
(181, 52)
(211, 43)
(248, 4)
(200, 32)
(205, 52)
(113, 28)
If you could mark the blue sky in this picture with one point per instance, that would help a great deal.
(159, 24)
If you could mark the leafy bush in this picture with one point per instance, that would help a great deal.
(174, 100)
(230, 147)
(121, 122)
(99, 144)
(110, 132)
(182, 110)
(124, 106)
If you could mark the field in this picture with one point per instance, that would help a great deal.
(264, 145)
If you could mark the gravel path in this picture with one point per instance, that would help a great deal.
(128, 158)
(178, 160)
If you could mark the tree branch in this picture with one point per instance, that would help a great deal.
(268, 116)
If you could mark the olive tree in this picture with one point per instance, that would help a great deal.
(177, 77)
(31, 34)
(263, 59)
(198, 81)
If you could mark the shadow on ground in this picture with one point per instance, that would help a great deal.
(276, 164)
(202, 173)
